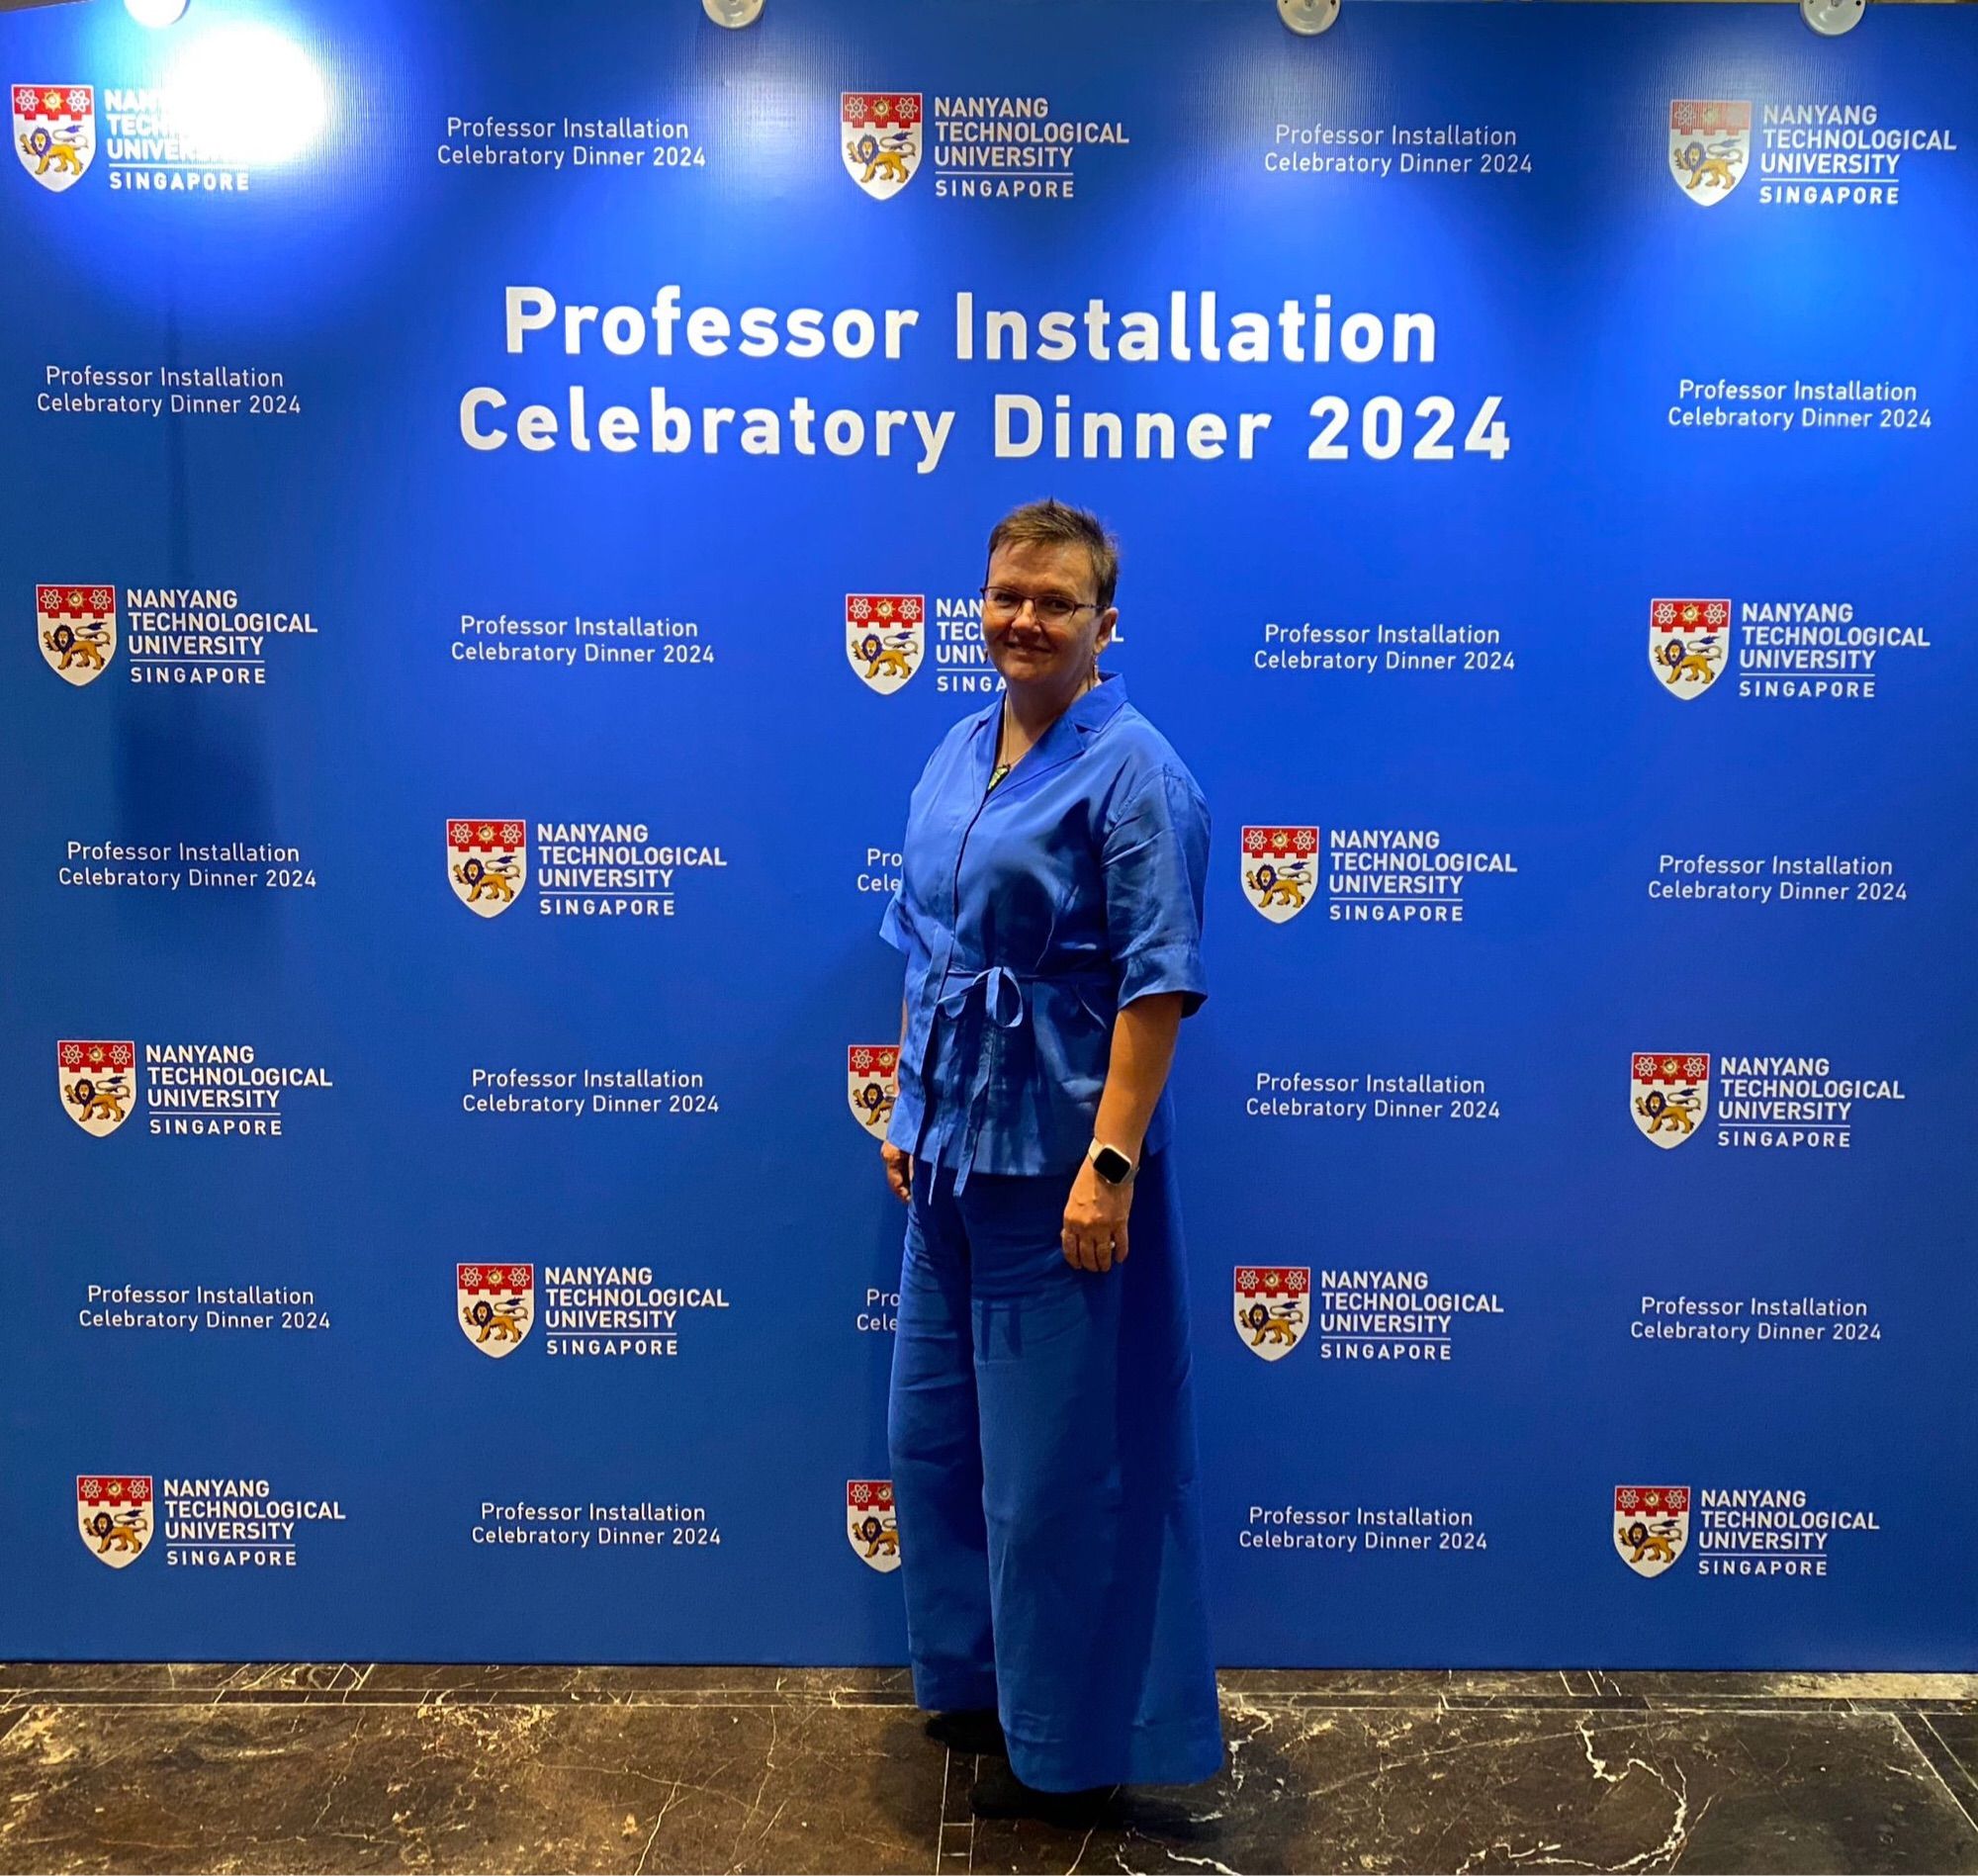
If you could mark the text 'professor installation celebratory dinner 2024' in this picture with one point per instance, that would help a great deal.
(1191, 330)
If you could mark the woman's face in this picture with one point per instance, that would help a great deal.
(1036, 653)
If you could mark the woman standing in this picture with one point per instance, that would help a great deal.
(1040, 1421)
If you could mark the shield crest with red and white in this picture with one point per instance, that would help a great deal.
(885, 634)
(497, 1306)
(98, 1084)
(1273, 1308)
(872, 1084)
(881, 135)
(113, 1512)
(1651, 1526)
(1279, 867)
(1710, 146)
(870, 1525)
(1671, 1094)
(487, 863)
(1689, 644)
(55, 131)
(76, 629)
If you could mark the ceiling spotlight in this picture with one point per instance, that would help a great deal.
(1312, 16)
(733, 12)
(1829, 18)
(248, 94)
(155, 12)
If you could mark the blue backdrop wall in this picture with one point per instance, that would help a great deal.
(501, 491)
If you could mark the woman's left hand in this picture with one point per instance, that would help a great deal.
(1095, 1221)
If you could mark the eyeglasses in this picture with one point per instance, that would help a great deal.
(1053, 608)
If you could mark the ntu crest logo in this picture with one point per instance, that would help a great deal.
(885, 635)
(882, 138)
(1279, 867)
(872, 1084)
(497, 1306)
(77, 629)
(1670, 1095)
(98, 1082)
(1273, 1308)
(870, 1527)
(488, 864)
(1651, 1526)
(1710, 144)
(1689, 644)
(55, 131)
(114, 1515)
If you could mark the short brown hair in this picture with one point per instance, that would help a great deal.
(1051, 523)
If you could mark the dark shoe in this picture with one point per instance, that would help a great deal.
(1000, 1793)
(975, 1733)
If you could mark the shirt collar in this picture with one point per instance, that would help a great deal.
(1084, 717)
(1091, 712)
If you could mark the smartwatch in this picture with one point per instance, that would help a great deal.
(1110, 1163)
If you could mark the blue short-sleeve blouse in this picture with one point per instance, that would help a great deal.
(1030, 915)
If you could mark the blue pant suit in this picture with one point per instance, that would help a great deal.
(1041, 1423)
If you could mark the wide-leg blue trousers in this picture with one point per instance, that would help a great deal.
(1043, 1456)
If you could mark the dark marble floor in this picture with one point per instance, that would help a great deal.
(339, 1766)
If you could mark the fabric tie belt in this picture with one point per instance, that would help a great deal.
(1003, 999)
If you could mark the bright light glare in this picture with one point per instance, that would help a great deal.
(248, 94)
(154, 12)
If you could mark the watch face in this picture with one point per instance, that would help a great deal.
(1112, 1165)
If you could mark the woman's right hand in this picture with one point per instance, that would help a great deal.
(899, 1170)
